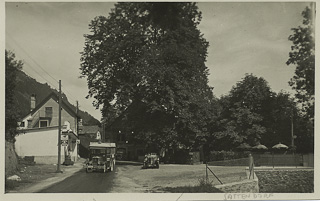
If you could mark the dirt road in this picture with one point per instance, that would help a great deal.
(82, 182)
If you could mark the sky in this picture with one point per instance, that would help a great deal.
(243, 37)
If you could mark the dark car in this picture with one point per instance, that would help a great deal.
(151, 161)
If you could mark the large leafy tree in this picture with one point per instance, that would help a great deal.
(152, 53)
(302, 56)
(242, 114)
(278, 119)
(12, 66)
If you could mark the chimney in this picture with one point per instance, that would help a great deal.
(33, 101)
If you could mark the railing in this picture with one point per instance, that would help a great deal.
(249, 161)
(207, 176)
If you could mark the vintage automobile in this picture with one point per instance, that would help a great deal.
(102, 157)
(151, 161)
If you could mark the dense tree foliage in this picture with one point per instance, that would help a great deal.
(242, 114)
(303, 57)
(152, 53)
(251, 113)
(12, 66)
(278, 119)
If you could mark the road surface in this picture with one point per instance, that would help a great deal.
(82, 182)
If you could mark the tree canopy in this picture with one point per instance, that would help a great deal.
(155, 54)
(302, 56)
(241, 119)
(12, 66)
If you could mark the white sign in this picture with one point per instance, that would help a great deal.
(98, 136)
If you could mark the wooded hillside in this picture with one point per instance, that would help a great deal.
(26, 85)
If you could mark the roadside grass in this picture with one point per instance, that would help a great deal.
(30, 174)
(202, 187)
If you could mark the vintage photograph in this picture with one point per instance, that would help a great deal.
(173, 99)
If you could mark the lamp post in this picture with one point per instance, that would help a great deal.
(292, 136)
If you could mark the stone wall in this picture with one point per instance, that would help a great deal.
(246, 186)
(249, 185)
(11, 159)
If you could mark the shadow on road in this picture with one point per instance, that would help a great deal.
(134, 163)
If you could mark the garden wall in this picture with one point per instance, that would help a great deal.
(246, 186)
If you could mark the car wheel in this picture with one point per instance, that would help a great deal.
(88, 170)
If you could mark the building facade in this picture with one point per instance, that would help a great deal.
(39, 131)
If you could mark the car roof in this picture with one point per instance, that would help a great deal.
(102, 145)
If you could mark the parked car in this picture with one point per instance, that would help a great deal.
(151, 161)
(102, 157)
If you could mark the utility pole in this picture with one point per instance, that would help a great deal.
(77, 126)
(77, 123)
(59, 130)
(292, 136)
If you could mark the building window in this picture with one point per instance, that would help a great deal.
(29, 123)
(22, 124)
(43, 124)
(48, 111)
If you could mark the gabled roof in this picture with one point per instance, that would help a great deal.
(54, 96)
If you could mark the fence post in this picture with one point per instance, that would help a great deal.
(251, 166)
(272, 160)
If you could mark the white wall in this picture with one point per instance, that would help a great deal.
(42, 142)
(43, 145)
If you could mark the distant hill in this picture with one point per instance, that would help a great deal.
(26, 86)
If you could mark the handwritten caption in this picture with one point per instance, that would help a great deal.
(246, 196)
